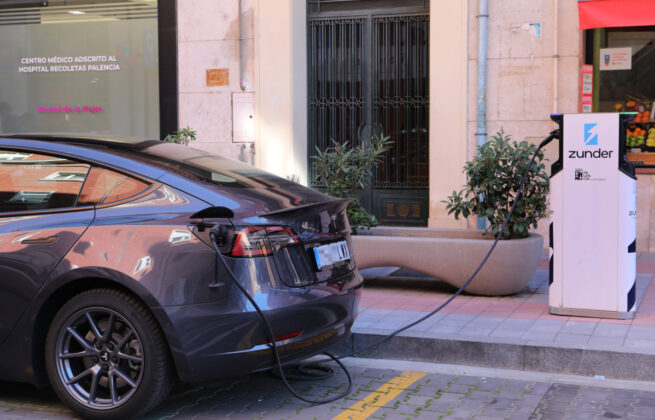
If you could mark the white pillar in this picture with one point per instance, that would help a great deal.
(281, 87)
(448, 105)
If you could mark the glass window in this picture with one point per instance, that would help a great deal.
(104, 186)
(83, 67)
(624, 81)
(626, 64)
(198, 164)
(39, 182)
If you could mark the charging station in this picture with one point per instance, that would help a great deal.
(592, 236)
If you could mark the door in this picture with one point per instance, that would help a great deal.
(38, 226)
(369, 75)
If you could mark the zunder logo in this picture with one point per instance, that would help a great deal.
(591, 134)
(590, 139)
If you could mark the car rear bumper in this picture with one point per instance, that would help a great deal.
(223, 339)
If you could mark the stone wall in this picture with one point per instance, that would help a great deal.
(645, 213)
(208, 69)
(521, 65)
(529, 44)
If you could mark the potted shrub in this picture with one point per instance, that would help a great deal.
(181, 136)
(452, 255)
(493, 179)
(345, 169)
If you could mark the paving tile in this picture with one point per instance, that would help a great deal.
(485, 322)
(520, 324)
(545, 327)
(641, 332)
(640, 344)
(363, 324)
(507, 333)
(606, 342)
(539, 336)
(571, 338)
(476, 331)
(611, 330)
(456, 320)
(616, 321)
(445, 329)
(376, 312)
(577, 327)
(648, 321)
(405, 314)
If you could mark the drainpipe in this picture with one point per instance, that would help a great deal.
(555, 57)
(242, 83)
(481, 132)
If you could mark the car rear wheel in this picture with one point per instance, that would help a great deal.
(106, 356)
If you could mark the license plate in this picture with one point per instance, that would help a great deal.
(331, 254)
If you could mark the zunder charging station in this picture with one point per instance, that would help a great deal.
(593, 219)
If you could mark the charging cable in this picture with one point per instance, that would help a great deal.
(216, 232)
(553, 135)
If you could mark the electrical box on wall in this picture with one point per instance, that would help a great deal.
(243, 117)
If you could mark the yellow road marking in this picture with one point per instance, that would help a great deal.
(380, 397)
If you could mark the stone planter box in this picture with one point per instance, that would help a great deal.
(452, 255)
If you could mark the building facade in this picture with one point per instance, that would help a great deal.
(267, 81)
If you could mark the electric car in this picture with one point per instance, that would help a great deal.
(111, 285)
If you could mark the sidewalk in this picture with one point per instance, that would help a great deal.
(514, 332)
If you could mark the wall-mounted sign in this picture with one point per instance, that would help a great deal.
(218, 77)
(616, 58)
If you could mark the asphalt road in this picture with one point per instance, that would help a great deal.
(384, 390)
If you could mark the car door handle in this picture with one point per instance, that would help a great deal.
(35, 241)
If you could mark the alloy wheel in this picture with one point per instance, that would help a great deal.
(99, 358)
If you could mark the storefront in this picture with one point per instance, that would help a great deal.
(88, 67)
(618, 74)
(620, 61)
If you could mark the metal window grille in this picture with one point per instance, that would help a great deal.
(336, 83)
(400, 98)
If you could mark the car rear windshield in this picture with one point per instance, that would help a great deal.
(203, 166)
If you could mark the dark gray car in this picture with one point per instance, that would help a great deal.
(110, 287)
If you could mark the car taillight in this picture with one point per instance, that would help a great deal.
(260, 241)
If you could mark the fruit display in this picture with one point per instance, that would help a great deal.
(635, 137)
(641, 131)
(650, 140)
(642, 116)
(643, 108)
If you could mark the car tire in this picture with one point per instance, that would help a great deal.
(106, 356)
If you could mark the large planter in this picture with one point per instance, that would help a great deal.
(452, 255)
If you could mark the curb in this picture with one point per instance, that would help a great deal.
(517, 356)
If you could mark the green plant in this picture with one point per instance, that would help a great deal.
(344, 169)
(181, 136)
(493, 178)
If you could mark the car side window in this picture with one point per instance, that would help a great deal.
(30, 181)
(104, 186)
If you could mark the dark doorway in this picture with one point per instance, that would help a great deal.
(368, 75)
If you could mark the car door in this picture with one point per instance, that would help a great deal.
(40, 220)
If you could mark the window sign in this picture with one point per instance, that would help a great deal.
(587, 88)
(87, 68)
(616, 58)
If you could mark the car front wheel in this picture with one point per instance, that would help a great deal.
(106, 356)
